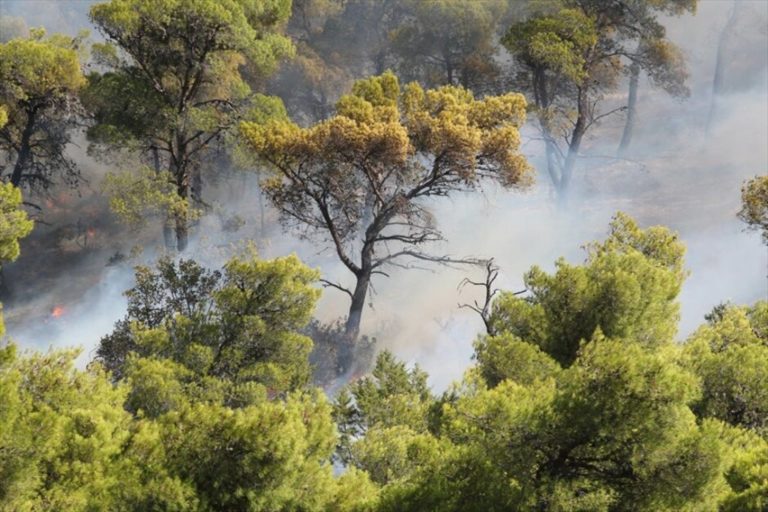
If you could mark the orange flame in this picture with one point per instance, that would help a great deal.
(57, 311)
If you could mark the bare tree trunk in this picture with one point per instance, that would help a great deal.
(379, 61)
(24, 148)
(352, 326)
(182, 218)
(563, 191)
(196, 193)
(182, 232)
(717, 80)
(553, 168)
(573, 148)
(262, 212)
(541, 97)
(167, 223)
(629, 125)
(182, 222)
(168, 238)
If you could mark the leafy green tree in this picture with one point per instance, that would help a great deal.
(611, 432)
(14, 223)
(392, 396)
(573, 51)
(361, 178)
(616, 424)
(62, 437)
(746, 471)
(309, 84)
(449, 42)
(368, 26)
(233, 333)
(627, 288)
(67, 443)
(270, 456)
(655, 55)
(174, 87)
(507, 357)
(555, 51)
(40, 80)
(754, 209)
(730, 356)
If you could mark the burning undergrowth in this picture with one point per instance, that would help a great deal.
(64, 259)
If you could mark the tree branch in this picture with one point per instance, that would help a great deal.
(329, 284)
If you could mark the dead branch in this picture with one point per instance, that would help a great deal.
(484, 310)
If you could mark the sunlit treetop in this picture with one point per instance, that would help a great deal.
(37, 70)
(244, 26)
(559, 42)
(407, 141)
(40, 80)
(627, 288)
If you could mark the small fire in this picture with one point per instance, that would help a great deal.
(57, 311)
(91, 232)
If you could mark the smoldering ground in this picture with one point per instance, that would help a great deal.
(677, 173)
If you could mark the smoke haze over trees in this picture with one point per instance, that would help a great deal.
(264, 222)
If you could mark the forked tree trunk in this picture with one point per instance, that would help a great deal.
(629, 125)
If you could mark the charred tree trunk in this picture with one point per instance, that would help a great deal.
(25, 150)
(629, 125)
